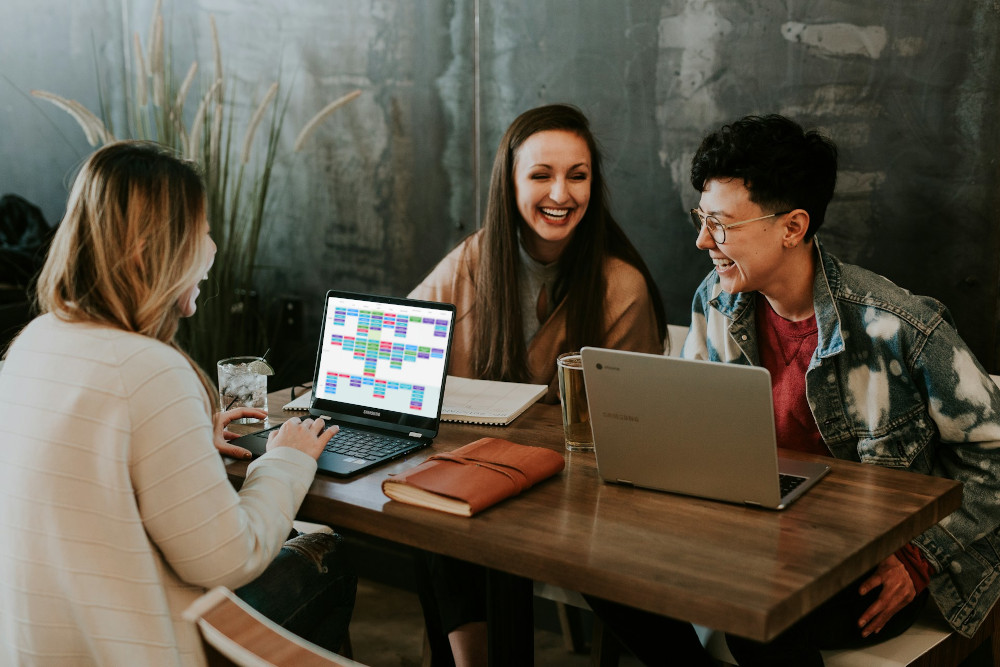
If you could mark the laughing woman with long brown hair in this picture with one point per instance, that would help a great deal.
(550, 272)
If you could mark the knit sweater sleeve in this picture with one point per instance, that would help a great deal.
(630, 319)
(207, 532)
(452, 277)
(453, 281)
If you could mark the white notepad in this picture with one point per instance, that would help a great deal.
(487, 401)
(472, 401)
(301, 402)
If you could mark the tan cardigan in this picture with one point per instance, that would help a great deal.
(630, 320)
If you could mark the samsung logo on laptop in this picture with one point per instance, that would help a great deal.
(372, 413)
(620, 417)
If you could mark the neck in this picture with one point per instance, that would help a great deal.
(791, 292)
(540, 250)
(544, 253)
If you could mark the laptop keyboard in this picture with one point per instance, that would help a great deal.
(788, 483)
(358, 444)
(365, 444)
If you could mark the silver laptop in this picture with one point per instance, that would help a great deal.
(380, 374)
(698, 428)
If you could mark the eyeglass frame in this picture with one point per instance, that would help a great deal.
(698, 221)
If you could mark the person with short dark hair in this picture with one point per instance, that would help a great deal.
(860, 369)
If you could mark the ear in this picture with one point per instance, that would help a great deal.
(796, 226)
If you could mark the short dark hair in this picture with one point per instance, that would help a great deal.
(782, 166)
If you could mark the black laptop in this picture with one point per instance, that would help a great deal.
(380, 374)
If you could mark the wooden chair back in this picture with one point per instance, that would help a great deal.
(234, 633)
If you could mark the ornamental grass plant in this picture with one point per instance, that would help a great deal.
(237, 165)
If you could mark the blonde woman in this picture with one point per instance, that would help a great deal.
(115, 508)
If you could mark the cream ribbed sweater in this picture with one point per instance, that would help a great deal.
(115, 508)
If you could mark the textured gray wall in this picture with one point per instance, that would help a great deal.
(907, 88)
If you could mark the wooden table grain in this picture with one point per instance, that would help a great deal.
(748, 571)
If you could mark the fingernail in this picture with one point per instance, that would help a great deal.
(248, 455)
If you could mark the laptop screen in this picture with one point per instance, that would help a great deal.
(383, 359)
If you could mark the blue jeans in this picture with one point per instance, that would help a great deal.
(307, 589)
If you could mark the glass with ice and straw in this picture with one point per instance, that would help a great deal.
(243, 383)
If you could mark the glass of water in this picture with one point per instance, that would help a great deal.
(573, 398)
(241, 384)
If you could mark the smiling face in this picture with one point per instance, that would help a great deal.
(187, 301)
(752, 257)
(552, 179)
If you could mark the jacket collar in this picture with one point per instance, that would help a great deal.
(826, 285)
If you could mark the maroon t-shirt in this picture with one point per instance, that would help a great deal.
(785, 351)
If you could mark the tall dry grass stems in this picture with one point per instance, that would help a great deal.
(237, 177)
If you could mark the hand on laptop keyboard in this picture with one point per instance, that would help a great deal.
(306, 436)
(367, 445)
(222, 435)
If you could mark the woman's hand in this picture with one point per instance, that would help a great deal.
(221, 435)
(302, 435)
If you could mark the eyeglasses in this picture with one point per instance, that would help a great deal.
(717, 229)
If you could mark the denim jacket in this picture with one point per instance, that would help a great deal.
(891, 383)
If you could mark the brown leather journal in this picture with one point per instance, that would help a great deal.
(474, 476)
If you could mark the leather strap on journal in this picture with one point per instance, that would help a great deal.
(516, 476)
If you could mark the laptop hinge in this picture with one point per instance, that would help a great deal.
(625, 481)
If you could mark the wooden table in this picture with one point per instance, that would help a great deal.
(747, 571)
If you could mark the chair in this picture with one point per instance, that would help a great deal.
(928, 643)
(605, 650)
(307, 527)
(675, 339)
(234, 633)
(569, 605)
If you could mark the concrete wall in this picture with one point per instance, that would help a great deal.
(907, 88)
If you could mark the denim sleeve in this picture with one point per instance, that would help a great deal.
(697, 344)
(964, 403)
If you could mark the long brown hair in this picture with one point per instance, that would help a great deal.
(499, 351)
(131, 244)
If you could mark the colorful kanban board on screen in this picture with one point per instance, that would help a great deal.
(386, 359)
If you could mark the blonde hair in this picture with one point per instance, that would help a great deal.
(131, 244)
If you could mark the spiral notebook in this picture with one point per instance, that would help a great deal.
(473, 401)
